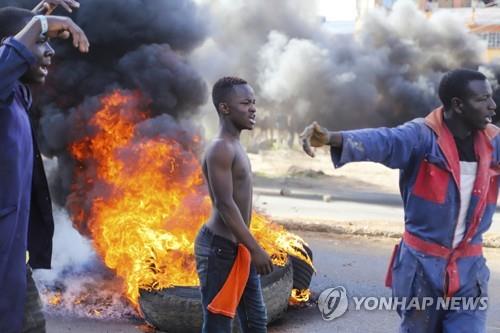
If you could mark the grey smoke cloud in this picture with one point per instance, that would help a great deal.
(72, 253)
(385, 74)
(238, 29)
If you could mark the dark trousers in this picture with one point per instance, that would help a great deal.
(214, 258)
(33, 320)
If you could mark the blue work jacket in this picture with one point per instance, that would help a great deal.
(425, 152)
(16, 167)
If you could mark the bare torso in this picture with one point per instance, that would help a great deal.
(241, 173)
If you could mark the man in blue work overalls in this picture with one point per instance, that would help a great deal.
(449, 162)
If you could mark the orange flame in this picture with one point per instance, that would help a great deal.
(55, 299)
(299, 296)
(148, 201)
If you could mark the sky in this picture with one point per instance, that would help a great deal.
(332, 10)
(337, 10)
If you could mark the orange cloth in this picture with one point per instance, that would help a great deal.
(227, 299)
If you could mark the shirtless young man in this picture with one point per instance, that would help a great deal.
(228, 173)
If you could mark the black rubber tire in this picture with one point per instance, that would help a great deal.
(173, 310)
(302, 272)
(276, 289)
(178, 309)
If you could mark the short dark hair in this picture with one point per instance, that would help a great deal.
(455, 83)
(13, 20)
(223, 87)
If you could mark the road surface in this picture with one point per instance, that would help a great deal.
(357, 263)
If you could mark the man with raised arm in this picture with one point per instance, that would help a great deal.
(26, 221)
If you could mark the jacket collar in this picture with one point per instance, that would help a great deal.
(435, 120)
(445, 141)
(483, 149)
(25, 95)
(482, 145)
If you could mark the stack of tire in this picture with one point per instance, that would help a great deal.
(178, 309)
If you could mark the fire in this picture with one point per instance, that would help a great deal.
(299, 296)
(277, 241)
(96, 313)
(98, 296)
(148, 200)
(55, 299)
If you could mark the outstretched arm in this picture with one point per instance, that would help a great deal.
(393, 147)
(219, 159)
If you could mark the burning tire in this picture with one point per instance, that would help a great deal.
(302, 272)
(173, 310)
(276, 288)
(179, 309)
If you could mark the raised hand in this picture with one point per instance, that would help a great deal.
(64, 27)
(46, 7)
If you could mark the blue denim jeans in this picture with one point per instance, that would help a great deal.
(214, 258)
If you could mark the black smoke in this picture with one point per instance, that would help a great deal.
(135, 45)
(386, 73)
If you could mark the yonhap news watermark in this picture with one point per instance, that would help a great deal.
(334, 302)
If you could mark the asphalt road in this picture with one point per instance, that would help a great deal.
(359, 264)
(356, 263)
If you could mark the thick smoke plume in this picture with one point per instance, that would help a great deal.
(135, 45)
(384, 74)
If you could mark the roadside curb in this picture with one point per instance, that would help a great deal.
(491, 240)
(385, 199)
(374, 198)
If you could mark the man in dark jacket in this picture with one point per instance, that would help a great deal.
(26, 222)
